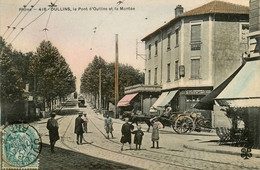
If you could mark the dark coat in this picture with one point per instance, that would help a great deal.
(126, 133)
(52, 126)
(138, 137)
(78, 126)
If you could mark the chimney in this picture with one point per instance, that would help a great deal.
(178, 10)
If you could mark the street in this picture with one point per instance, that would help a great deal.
(97, 152)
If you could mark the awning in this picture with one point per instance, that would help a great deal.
(159, 100)
(125, 101)
(240, 102)
(168, 98)
(243, 90)
(245, 84)
(207, 102)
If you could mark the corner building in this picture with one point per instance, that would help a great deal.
(195, 52)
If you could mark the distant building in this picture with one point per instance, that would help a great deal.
(196, 51)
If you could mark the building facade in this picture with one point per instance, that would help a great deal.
(196, 51)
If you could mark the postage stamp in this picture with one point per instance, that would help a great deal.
(21, 146)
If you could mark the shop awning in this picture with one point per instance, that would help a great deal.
(125, 101)
(240, 102)
(245, 84)
(159, 100)
(168, 98)
(243, 90)
(207, 102)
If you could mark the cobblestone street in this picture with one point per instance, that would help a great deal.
(97, 152)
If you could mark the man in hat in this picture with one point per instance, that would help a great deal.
(52, 126)
(78, 128)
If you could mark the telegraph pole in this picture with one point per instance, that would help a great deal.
(100, 106)
(116, 78)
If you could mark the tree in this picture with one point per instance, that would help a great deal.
(14, 68)
(90, 79)
(52, 75)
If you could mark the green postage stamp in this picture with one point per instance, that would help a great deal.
(21, 146)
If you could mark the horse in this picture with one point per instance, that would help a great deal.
(134, 118)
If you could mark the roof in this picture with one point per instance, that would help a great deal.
(209, 8)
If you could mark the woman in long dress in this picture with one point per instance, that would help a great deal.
(52, 126)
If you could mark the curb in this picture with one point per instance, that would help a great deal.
(217, 151)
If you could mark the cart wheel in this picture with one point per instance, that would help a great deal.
(182, 124)
(188, 124)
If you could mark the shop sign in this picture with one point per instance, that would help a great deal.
(197, 91)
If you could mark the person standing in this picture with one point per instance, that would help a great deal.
(78, 128)
(126, 133)
(155, 133)
(108, 125)
(52, 126)
(138, 137)
(85, 123)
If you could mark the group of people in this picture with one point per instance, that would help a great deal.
(53, 126)
(127, 130)
(81, 127)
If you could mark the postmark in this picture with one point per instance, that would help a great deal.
(21, 146)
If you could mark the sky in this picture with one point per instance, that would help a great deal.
(90, 29)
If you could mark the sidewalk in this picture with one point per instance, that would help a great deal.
(200, 141)
(208, 143)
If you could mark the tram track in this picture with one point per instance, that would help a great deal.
(146, 157)
(157, 152)
(110, 150)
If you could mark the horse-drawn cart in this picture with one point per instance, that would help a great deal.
(189, 121)
(180, 122)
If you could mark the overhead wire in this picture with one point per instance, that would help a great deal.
(102, 21)
(46, 26)
(9, 26)
(28, 25)
(23, 18)
(31, 23)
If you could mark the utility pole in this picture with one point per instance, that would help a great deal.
(116, 78)
(100, 106)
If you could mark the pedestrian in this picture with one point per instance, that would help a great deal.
(85, 123)
(155, 133)
(52, 126)
(78, 128)
(126, 133)
(138, 137)
(108, 125)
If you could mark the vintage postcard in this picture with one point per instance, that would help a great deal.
(130, 84)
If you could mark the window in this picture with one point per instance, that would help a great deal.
(155, 76)
(156, 48)
(176, 70)
(168, 72)
(244, 31)
(195, 68)
(149, 55)
(149, 77)
(195, 37)
(192, 100)
(177, 37)
(195, 33)
(169, 42)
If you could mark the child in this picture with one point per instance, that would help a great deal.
(155, 134)
(109, 126)
(138, 137)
